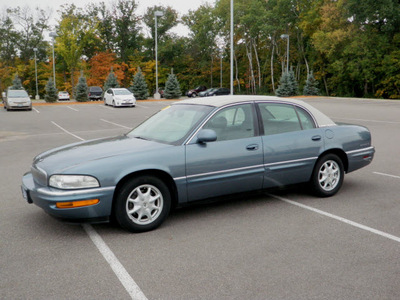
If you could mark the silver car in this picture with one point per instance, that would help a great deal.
(17, 99)
(193, 150)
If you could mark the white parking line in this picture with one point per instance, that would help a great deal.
(36, 110)
(388, 175)
(363, 227)
(123, 276)
(115, 124)
(130, 285)
(142, 106)
(365, 120)
(72, 108)
(105, 106)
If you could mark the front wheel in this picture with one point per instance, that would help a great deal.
(327, 177)
(142, 204)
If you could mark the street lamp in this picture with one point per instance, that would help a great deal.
(231, 47)
(37, 95)
(53, 35)
(157, 13)
(286, 36)
(221, 52)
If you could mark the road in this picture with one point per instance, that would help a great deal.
(276, 245)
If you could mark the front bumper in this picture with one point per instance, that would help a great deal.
(47, 197)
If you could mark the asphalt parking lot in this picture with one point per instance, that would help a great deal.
(276, 245)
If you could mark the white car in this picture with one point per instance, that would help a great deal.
(63, 95)
(119, 97)
(17, 99)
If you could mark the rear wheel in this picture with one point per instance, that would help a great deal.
(142, 204)
(327, 176)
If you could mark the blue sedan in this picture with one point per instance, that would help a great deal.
(194, 150)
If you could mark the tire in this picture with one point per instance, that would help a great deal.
(194, 95)
(328, 175)
(142, 204)
(113, 103)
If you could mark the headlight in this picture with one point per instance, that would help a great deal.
(73, 181)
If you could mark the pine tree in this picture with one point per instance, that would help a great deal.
(139, 86)
(288, 85)
(17, 85)
(172, 88)
(81, 94)
(51, 91)
(311, 87)
(111, 81)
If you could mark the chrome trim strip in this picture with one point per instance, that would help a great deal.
(56, 193)
(360, 150)
(224, 171)
(290, 161)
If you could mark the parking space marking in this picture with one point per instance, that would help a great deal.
(36, 110)
(72, 108)
(127, 281)
(119, 125)
(66, 131)
(364, 120)
(349, 222)
(105, 106)
(388, 175)
(142, 106)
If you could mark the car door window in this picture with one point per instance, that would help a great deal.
(234, 122)
(279, 118)
(306, 120)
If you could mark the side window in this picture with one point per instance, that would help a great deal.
(306, 120)
(234, 122)
(279, 118)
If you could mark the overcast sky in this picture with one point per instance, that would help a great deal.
(181, 6)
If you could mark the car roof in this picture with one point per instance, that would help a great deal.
(220, 101)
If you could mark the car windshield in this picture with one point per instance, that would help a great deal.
(17, 94)
(122, 92)
(172, 124)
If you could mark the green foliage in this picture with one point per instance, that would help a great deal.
(139, 86)
(311, 87)
(51, 91)
(288, 85)
(172, 88)
(81, 94)
(111, 81)
(16, 84)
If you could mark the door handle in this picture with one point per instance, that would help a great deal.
(252, 147)
(316, 138)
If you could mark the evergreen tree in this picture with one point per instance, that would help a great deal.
(288, 85)
(51, 91)
(111, 81)
(311, 87)
(81, 94)
(17, 85)
(172, 88)
(139, 86)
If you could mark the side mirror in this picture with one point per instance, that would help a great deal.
(206, 135)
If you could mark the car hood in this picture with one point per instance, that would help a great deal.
(61, 159)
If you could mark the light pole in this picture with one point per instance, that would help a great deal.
(157, 13)
(53, 35)
(220, 53)
(37, 95)
(231, 47)
(286, 36)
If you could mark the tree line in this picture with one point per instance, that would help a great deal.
(351, 47)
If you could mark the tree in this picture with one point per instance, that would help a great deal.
(172, 88)
(16, 84)
(139, 86)
(288, 85)
(111, 82)
(51, 91)
(81, 94)
(311, 87)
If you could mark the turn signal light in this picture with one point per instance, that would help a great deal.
(73, 204)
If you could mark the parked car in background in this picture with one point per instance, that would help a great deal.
(195, 92)
(95, 93)
(219, 92)
(16, 99)
(119, 97)
(194, 150)
(63, 95)
(206, 92)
